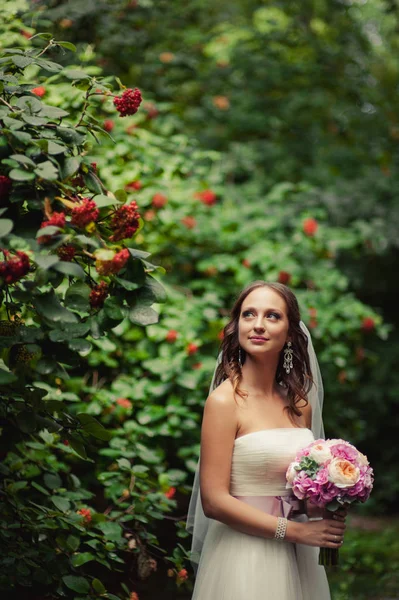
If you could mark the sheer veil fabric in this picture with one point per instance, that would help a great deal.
(197, 523)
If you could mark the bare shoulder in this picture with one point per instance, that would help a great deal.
(220, 407)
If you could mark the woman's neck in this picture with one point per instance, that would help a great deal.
(259, 377)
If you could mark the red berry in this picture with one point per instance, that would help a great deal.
(368, 324)
(207, 197)
(39, 91)
(189, 222)
(159, 200)
(124, 402)
(171, 336)
(98, 295)
(67, 252)
(182, 574)
(124, 222)
(246, 263)
(192, 348)
(170, 493)
(284, 277)
(310, 226)
(134, 185)
(313, 312)
(108, 125)
(5, 188)
(197, 366)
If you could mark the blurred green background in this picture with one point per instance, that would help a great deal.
(266, 147)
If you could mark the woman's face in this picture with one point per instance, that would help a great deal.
(263, 324)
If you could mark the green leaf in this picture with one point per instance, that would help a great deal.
(49, 230)
(94, 427)
(23, 159)
(21, 61)
(49, 65)
(124, 464)
(49, 307)
(120, 195)
(40, 488)
(70, 268)
(112, 531)
(83, 347)
(21, 175)
(78, 560)
(75, 74)
(26, 421)
(78, 446)
(54, 148)
(45, 261)
(35, 121)
(6, 225)
(143, 315)
(61, 503)
(77, 297)
(138, 253)
(46, 170)
(98, 586)
(16, 486)
(101, 200)
(77, 584)
(73, 542)
(52, 480)
(70, 166)
(6, 377)
(21, 136)
(67, 45)
(53, 112)
(70, 136)
(93, 183)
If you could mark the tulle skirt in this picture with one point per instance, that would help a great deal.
(238, 566)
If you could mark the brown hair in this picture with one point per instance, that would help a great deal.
(299, 381)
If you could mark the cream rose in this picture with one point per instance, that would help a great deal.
(362, 458)
(320, 453)
(343, 473)
(291, 472)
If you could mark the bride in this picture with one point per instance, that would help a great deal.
(252, 540)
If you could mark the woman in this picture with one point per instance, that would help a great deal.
(254, 422)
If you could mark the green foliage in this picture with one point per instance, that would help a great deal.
(276, 114)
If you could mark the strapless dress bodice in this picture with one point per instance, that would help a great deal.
(261, 458)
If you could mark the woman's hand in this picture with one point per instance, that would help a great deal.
(324, 533)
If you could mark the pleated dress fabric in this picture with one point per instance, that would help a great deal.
(238, 566)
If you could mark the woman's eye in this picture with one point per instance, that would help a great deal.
(247, 313)
(275, 315)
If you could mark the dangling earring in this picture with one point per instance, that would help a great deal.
(287, 365)
(239, 356)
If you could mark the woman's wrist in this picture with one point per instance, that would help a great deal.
(293, 531)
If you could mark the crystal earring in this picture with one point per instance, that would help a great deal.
(239, 356)
(287, 365)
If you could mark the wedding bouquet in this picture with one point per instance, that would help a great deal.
(330, 474)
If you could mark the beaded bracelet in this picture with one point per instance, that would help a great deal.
(281, 528)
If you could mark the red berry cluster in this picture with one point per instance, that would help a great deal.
(128, 103)
(67, 252)
(98, 295)
(5, 187)
(124, 403)
(133, 185)
(108, 267)
(207, 197)
(39, 91)
(56, 220)
(310, 226)
(284, 277)
(85, 512)
(12, 269)
(85, 213)
(125, 222)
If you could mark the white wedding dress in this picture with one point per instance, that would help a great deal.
(238, 566)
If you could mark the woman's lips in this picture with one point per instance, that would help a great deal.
(259, 339)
